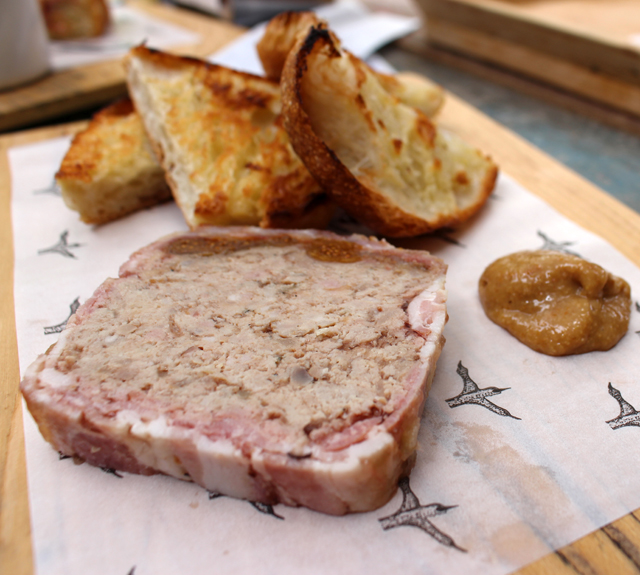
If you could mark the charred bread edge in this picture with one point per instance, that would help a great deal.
(360, 477)
(366, 204)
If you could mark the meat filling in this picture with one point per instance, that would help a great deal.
(308, 344)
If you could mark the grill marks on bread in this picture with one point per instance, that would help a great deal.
(383, 161)
(221, 142)
(285, 30)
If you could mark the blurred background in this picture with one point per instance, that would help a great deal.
(563, 74)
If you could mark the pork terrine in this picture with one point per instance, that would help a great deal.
(269, 365)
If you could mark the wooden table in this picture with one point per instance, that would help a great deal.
(88, 87)
(583, 54)
(614, 549)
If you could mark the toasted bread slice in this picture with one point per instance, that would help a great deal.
(280, 36)
(384, 162)
(219, 136)
(414, 90)
(282, 33)
(109, 170)
(73, 19)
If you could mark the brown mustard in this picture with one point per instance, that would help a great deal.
(556, 303)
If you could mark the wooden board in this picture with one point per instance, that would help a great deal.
(541, 89)
(583, 47)
(87, 87)
(612, 550)
(597, 34)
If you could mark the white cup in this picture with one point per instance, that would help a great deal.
(24, 44)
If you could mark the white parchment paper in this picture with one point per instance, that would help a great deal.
(492, 490)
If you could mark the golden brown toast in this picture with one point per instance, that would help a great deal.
(283, 31)
(280, 36)
(384, 162)
(218, 134)
(71, 19)
(109, 170)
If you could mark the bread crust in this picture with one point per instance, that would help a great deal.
(355, 469)
(363, 196)
(280, 36)
(287, 28)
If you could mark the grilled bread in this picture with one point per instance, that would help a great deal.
(218, 135)
(280, 36)
(414, 90)
(282, 33)
(110, 170)
(73, 19)
(270, 365)
(384, 162)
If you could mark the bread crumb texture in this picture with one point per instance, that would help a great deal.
(303, 339)
(110, 170)
(238, 167)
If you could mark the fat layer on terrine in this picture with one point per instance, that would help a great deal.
(270, 365)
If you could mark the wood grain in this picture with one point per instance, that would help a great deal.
(15, 531)
(580, 47)
(596, 34)
(15, 543)
(87, 87)
(623, 533)
(541, 89)
(598, 555)
(610, 21)
(611, 550)
(538, 65)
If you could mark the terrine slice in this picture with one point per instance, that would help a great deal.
(270, 365)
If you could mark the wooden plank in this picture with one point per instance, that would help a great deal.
(552, 564)
(15, 527)
(625, 533)
(585, 44)
(418, 44)
(616, 545)
(90, 86)
(598, 554)
(537, 65)
(610, 21)
(15, 530)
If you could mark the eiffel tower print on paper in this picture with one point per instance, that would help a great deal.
(52, 189)
(261, 507)
(549, 244)
(60, 326)
(413, 514)
(628, 414)
(62, 247)
(472, 394)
